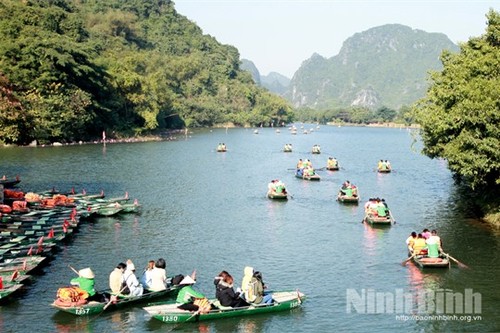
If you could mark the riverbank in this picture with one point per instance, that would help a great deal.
(383, 125)
(169, 135)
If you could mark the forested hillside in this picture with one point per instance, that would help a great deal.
(382, 66)
(70, 69)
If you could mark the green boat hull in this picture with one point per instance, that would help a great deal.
(180, 316)
(348, 200)
(277, 196)
(93, 308)
(376, 220)
(311, 178)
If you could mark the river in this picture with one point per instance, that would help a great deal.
(208, 211)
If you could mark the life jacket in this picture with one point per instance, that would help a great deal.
(72, 294)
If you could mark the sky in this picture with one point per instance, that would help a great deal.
(278, 35)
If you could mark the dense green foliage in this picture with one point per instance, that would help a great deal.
(356, 115)
(70, 69)
(382, 66)
(460, 116)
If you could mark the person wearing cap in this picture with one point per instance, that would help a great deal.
(131, 281)
(187, 294)
(85, 281)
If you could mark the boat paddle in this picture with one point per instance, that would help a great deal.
(408, 259)
(111, 299)
(460, 264)
(74, 270)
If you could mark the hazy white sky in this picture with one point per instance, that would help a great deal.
(279, 35)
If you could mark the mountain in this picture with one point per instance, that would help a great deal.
(249, 66)
(274, 82)
(386, 65)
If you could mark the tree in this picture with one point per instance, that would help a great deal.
(460, 116)
(385, 114)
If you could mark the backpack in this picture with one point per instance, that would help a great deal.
(251, 292)
(177, 279)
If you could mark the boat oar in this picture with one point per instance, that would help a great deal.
(74, 270)
(392, 216)
(408, 259)
(462, 265)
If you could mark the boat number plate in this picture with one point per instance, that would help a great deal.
(170, 318)
(82, 311)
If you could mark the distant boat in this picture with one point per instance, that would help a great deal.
(256, 131)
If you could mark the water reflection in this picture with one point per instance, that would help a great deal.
(373, 237)
(65, 323)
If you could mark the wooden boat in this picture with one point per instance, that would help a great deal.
(316, 150)
(426, 262)
(287, 149)
(277, 196)
(7, 291)
(171, 314)
(93, 308)
(378, 220)
(21, 267)
(384, 170)
(332, 168)
(134, 207)
(347, 199)
(314, 177)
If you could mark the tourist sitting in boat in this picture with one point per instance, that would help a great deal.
(247, 276)
(187, 295)
(86, 281)
(433, 247)
(131, 281)
(254, 293)
(354, 190)
(224, 291)
(436, 238)
(159, 276)
(146, 275)
(410, 241)
(332, 162)
(419, 246)
(309, 171)
(116, 280)
(426, 233)
(384, 165)
(299, 164)
(276, 186)
(271, 187)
